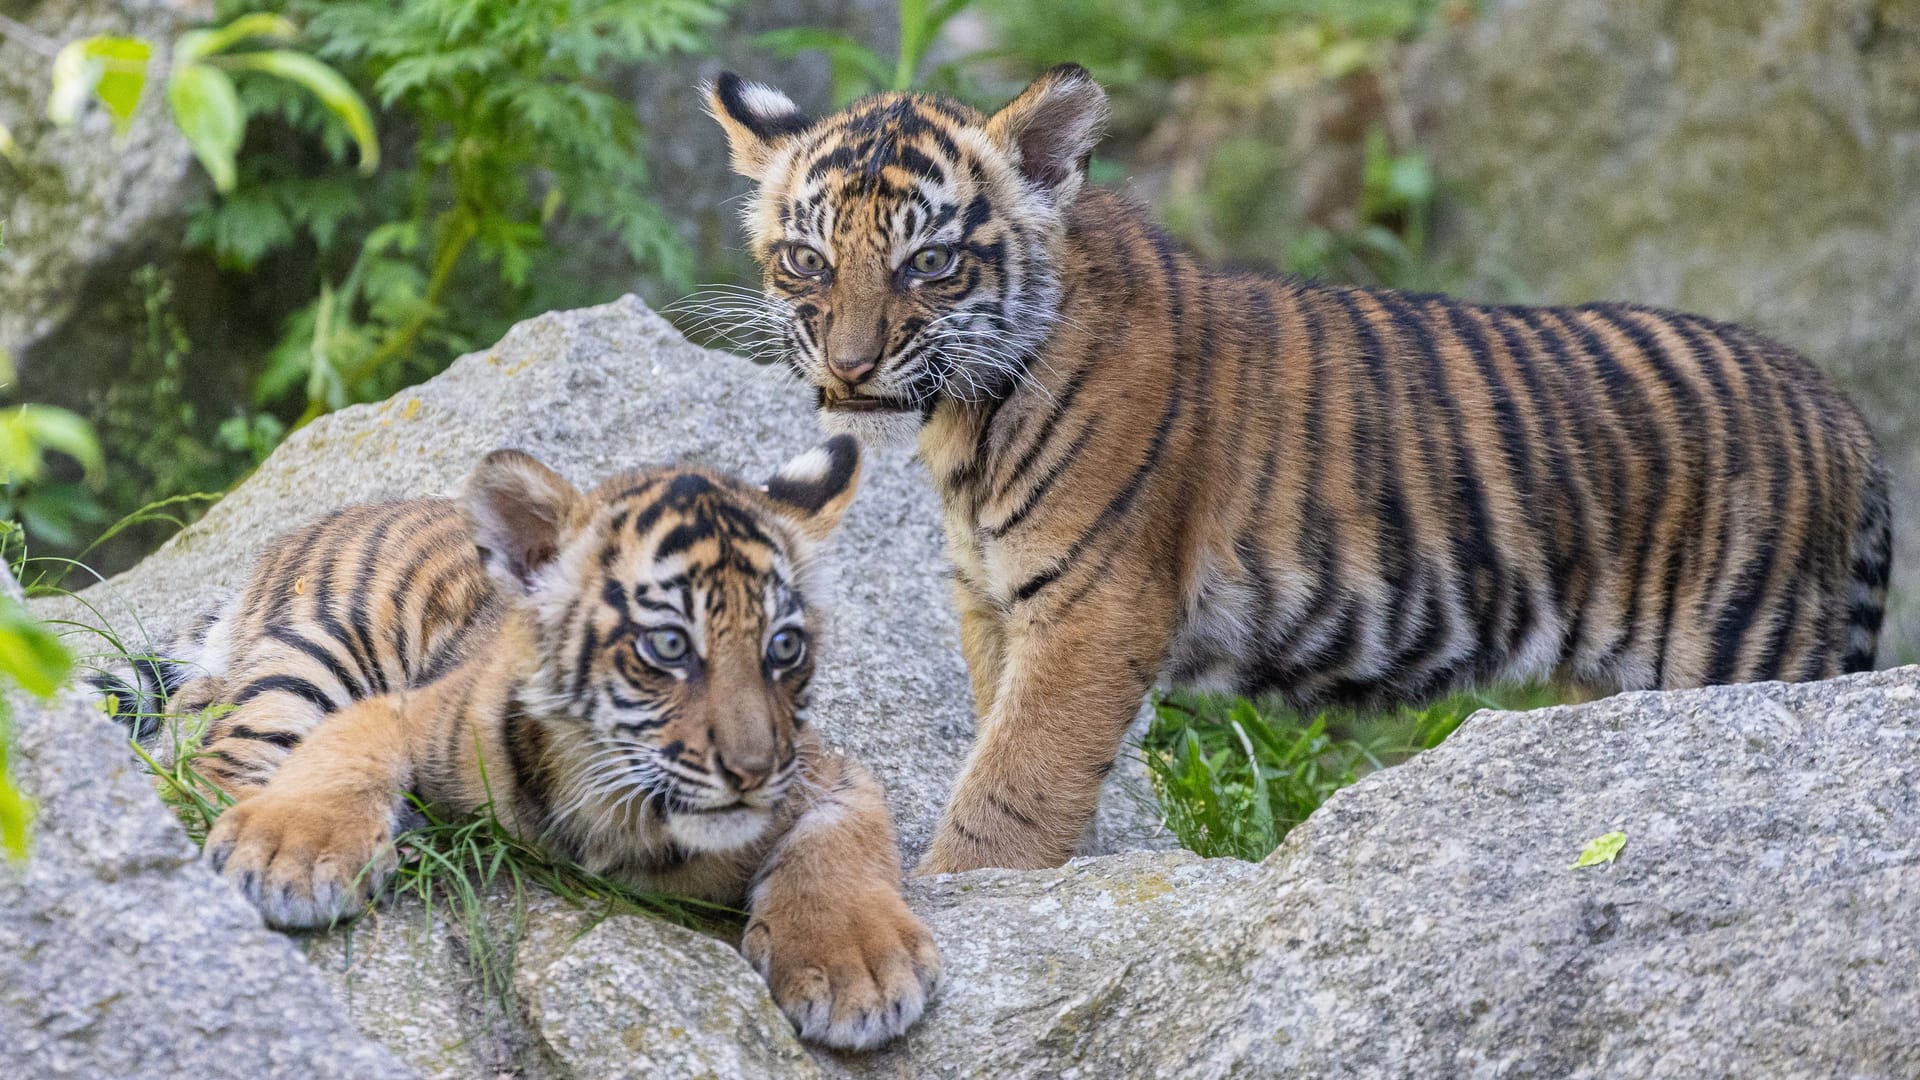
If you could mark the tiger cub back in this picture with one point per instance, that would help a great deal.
(369, 599)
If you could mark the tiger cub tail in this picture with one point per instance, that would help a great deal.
(1872, 567)
(154, 685)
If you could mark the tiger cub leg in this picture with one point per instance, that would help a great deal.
(983, 641)
(830, 932)
(1068, 692)
(315, 843)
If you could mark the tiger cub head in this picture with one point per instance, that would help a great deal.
(908, 243)
(673, 616)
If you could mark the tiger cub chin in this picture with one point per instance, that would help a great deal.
(1154, 470)
(622, 674)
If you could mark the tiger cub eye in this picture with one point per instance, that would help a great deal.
(785, 648)
(667, 645)
(931, 261)
(805, 261)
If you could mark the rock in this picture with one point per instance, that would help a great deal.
(1757, 163)
(78, 202)
(120, 955)
(592, 392)
(1426, 921)
(642, 998)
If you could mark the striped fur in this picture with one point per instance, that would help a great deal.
(1153, 470)
(621, 674)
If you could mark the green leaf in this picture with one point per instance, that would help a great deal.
(195, 45)
(31, 654)
(27, 431)
(58, 429)
(1600, 849)
(16, 813)
(9, 149)
(111, 68)
(328, 85)
(207, 109)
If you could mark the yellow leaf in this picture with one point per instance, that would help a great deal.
(1600, 849)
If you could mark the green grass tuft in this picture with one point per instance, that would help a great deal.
(1234, 778)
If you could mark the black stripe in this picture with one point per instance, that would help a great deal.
(1750, 581)
(285, 684)
(319, 653)
(1044, 432)
(1478, 565)
(285, 739)
(1045, 483)
(1581, 435)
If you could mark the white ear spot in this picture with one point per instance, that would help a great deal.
(766, 101)
(808, 468)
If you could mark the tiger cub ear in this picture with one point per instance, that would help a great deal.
(1050, 130)
(757, 119)
(520, 511)
(815, 489)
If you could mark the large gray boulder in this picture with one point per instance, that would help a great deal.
(120, 955)
(1425, 922)
(1757, 163)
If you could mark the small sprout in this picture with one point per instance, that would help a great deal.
(1600, 849)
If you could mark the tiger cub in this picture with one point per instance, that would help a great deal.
(622, 674)
(1152, 470)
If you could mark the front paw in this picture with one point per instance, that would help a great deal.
(851, 973)
(304, 860)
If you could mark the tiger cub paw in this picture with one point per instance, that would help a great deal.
(852, 974)
(304, 860)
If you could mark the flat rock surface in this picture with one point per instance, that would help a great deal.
(1427, 921)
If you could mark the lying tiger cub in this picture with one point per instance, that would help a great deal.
(629, 667)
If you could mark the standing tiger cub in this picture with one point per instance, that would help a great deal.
(1155, 470)
(621, 674)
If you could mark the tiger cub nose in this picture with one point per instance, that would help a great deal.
(854, 372)
(747, 774)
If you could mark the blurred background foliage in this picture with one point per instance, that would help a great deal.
(511, 176)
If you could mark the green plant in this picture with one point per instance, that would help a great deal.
(1387, 245)
(194, 799)
(463, 864)
(1139, 46)
(506, 136)
(1215, 98)
(1233, 778)
(31, 656)
(857, 70)
(166, 457)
